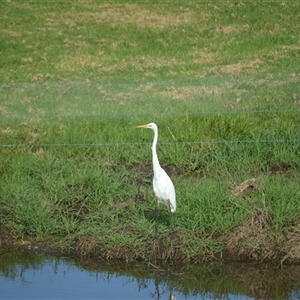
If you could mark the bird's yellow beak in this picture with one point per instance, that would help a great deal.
(142, 126)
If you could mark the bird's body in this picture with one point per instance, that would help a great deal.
(162, 184)
(164, 189)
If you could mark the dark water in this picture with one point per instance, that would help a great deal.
(25, 275)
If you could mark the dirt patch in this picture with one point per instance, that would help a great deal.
(5, 236)
(280, 168)
(7, 239)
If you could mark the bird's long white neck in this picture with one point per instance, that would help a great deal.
(156, 165)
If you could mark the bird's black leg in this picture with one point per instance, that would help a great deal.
(171, 220)
(156, 221)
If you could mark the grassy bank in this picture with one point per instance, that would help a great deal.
(220, 80)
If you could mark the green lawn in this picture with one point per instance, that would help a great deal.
(220, 79)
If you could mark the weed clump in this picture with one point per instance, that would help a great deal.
(253, 239)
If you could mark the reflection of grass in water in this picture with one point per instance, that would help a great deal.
(213, 279)
(14, 262)
(218, 279)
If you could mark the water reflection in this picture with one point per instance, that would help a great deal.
(29, 276)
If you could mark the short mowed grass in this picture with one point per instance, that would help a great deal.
(220, 79)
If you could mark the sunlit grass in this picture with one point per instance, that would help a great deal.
(221, 80)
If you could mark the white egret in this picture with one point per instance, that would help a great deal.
(162, 184)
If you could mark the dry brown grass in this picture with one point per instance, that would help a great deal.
(10, 32)
(191, 92)
(253, 239)
(32, 137)
(79, 61)
(232, 29)
(246, 188)
(202, 57)
(122, 14)
(3, 109)
(7, 131)
(101, 63)
(291, 244)
(20, 4)
(39, 153)
(247, 66)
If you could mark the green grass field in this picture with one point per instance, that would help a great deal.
(220, 79)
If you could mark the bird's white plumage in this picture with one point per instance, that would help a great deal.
(162, 184)
(164, 189)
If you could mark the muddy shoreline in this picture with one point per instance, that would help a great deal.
(238, 247)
